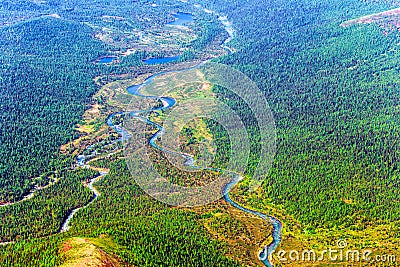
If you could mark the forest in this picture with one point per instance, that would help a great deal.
(333, 90)
(46, 82)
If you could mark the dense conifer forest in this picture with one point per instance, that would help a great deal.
(333, 90)
(46, 81)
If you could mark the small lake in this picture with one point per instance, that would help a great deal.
(181, 19)
(105, 60)
(161, 60)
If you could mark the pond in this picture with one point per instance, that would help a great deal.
(106, 60)
(161, 60)
(181, 19)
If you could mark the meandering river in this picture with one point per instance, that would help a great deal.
(168, 103)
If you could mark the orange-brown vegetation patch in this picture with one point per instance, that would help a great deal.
(67, 246)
